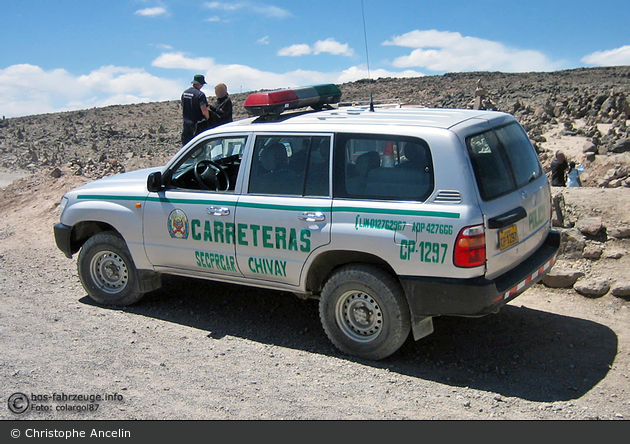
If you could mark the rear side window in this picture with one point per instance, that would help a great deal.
(382, 167)
(503, 160)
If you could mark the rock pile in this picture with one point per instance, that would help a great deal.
(585, 240)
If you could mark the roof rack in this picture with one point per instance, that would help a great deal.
(378, 103)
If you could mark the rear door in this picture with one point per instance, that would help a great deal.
(515, 195)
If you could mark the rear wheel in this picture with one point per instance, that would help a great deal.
(107, 271)
(364, 312)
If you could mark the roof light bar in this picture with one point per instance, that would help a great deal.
(275, 102)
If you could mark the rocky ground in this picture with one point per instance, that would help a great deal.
(200, 350)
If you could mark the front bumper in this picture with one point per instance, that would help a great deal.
(478, 296)
(63, 239)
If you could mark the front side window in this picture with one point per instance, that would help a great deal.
(503, 160)
(382, 167)
(212, 164)
(291, 165)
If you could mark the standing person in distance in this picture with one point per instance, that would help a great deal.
(573, 175)
(194, 110)
(558, 167)
(222, 110)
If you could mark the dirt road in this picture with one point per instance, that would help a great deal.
(202, 350)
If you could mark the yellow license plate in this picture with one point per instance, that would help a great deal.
(508, 237)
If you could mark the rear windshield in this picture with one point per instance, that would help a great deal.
(503, 159)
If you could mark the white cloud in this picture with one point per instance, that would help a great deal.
(151, 12)
(263, 41)
(330, 46)
(260, 9)
(355, 73)
(611, 57)
(125, 81)
(215, 18)
(295, 50)
(177, 60)
(28, 89)
(333, 47)
(450, 51)
(245, 78)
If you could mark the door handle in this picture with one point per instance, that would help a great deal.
(218, 211)
(312, 216)
(507, 219)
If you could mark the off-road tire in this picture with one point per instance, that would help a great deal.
(364, 312)
(107, 271)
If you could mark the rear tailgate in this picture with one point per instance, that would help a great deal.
(515, 196)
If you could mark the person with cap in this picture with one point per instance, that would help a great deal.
(194, 109)
(222, 110)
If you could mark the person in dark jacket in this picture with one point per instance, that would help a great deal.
(558, 168)
(222, 109)
(194, 110)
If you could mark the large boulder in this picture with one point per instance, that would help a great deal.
(572, 243)
(620, 146)
(589, 148)
(560, 277)
(619, 232)
(621, 289)
(592, 251)
(591, 226)
(593, 287)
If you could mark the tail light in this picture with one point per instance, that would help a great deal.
(470, 247)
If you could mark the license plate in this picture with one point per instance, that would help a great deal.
(508, 237)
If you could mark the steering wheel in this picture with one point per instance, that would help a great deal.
(211, 176)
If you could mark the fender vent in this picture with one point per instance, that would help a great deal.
(444, 196)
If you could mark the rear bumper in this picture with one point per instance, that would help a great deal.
(478, 296)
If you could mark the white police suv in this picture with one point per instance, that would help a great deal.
(388, 215)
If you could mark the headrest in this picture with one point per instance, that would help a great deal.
(366, 161)
(274, 157)
(415, 152)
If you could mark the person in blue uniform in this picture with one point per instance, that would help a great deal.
(194, 109)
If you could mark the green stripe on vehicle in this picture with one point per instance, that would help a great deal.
(280, 207)
(400, 212)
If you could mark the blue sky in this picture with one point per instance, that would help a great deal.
(59, 55)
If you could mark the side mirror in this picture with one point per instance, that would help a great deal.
(154, 182)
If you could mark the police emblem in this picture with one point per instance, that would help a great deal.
(178, 224)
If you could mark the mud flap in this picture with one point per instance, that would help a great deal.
(421, 326)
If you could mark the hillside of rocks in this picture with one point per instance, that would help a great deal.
(103, 140)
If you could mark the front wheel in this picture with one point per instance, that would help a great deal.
(107, 271)
(364, 312)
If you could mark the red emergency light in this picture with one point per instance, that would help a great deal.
(276, 102)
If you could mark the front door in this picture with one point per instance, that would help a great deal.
(190, 226)
(286, 212)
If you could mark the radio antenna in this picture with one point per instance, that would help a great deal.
(367, 54)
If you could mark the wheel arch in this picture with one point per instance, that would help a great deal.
(326, 263)
(82, 231)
